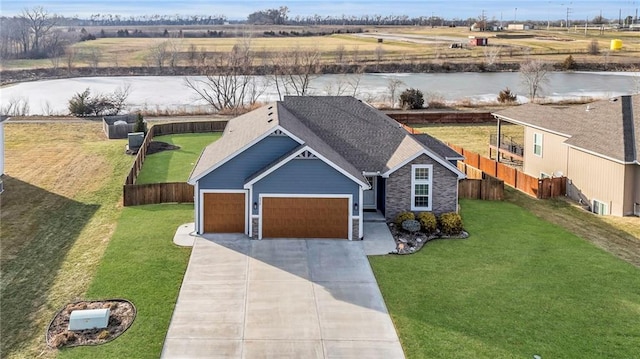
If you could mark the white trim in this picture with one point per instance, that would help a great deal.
(541, 137)
(201, 194)
(294, 155)
(607, 207)
(430, 154)
(310, 195)
(355, 217)
(196, 207)
(414, 182)
(360, 213)
(255, 216)
(242, 149)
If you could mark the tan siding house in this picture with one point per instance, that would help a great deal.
(596, 146)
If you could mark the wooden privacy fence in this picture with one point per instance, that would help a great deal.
(134, 194)
(479, 185)
(171, 192)
(539, 188)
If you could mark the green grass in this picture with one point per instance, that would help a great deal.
(141, 264)
(518, 286)
(175, 165)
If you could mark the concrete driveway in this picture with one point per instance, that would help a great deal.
(243, 298)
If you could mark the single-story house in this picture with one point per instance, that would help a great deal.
(309, 166)
(596, 146)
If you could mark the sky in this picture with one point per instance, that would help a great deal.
(239, 9)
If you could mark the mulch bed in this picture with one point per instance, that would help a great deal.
(409, 243)
(121, 316)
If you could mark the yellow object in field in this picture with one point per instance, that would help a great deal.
(616, 45)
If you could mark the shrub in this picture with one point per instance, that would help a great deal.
(411, 99)
(428, 222)
(450, 224)
(411, 225)
(404, 216)
(139, 127)
(505, 96)
(569, 63)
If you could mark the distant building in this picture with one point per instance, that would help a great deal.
(515, 27)
(478, 41)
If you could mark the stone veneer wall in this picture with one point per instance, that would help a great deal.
(254, 228)
(444, 191)
(355, 234)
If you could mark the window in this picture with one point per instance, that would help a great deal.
(537, 144)
(600, 208)
(421, 181)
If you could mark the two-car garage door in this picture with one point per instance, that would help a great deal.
(309, 217)
(282, 217)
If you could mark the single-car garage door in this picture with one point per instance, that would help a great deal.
(284, 217)
(224, 212)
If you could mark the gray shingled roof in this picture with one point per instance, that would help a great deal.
(238, 133)
(364, 136)
(438, 147)
(597, 127)
(347, 132)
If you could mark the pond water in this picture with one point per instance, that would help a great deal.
(160, 93)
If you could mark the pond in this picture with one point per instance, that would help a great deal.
(169, 93)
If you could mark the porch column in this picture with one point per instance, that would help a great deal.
(498, 136)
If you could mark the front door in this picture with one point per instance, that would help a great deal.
(369, 196)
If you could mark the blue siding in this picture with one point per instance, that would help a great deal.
(232, 175)
(306, 176)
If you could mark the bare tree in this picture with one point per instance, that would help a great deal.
(228, 84)
(340, 51)
(158, 54)
(293, 71)
(379, 53)
(192, 54)
(38, 23)
(491, 54)
(392, 86)
(355, 54)
(93, 55)
(354, 80)
(17, 106)
(70, 58)
(533, 74)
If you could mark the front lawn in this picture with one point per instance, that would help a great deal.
(518, 286)
(143, 265)
(175, 165)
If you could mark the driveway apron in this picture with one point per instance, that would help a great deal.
(243, 298)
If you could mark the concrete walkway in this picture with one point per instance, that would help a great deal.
(243, 298)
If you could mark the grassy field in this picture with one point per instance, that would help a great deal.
(142, 265)
(518, 286)
(175, 165)
(553, 45)
(61, 203)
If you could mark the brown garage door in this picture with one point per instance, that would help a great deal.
(305, 217)
(224, 212)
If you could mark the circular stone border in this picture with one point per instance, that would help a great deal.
(122, 313)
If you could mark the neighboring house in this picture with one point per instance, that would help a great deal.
(309, 166)
(2, 119)
(596, 146)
